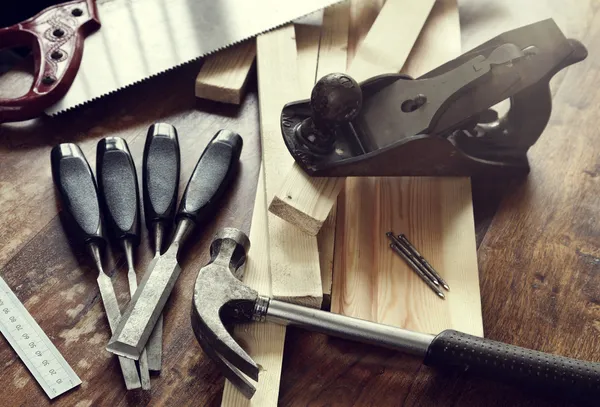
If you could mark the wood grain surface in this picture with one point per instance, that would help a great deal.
(294, 256)
(223, 75)
(333, 51)
(538, 239)
(369, 280)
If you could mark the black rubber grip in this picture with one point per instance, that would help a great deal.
(77, 189)
(160, 177)
(119, 191)
(509, 363)
(214, 172)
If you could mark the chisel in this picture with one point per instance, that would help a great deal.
(77, 189)
(214, 172)
(119, 197)
(160, 183)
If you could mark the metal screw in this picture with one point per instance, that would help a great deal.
(48, 80)
(56, 55)
(58, 32)
(77, 12)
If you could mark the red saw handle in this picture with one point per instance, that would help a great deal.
(55, 36)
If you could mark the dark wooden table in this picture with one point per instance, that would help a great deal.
(538, 247)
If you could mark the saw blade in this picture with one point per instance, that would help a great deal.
(143, 38)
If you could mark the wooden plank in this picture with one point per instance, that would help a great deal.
(223, 75)
(307, 48)
(306, 201)
(283, 262)
(326, 244)
(370, 281)
(398, 19)
(294, 255)
(333, 48)
(263, 342)
(362, 16)
(436, 46)
(333, 51)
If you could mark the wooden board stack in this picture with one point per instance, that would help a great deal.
(368, 282)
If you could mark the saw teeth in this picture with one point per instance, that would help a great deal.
(109, 8)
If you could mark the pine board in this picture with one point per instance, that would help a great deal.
(223, 75)
(283, 261)
(294, 256)
(333, 51)
(263, 342)
(369, 280)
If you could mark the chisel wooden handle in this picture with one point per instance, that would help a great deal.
(160, 174)
(77, 188)
(214, 172)
(117, 180)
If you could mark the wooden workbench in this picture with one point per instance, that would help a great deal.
(538, 246)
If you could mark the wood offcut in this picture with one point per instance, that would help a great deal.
(306, 201)
(223, 75)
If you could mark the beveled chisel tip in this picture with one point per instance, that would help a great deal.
(122, 349)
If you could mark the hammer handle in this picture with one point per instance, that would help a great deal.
(509, 363)
(451, 349)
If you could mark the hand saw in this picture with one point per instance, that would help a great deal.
(138, 39)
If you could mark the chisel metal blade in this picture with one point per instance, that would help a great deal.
(111, 307)
(129, 339)
(154, 345)
(212, 176)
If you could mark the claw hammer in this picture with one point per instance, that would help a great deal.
(220, 298)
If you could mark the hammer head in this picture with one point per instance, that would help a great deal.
(220, 298)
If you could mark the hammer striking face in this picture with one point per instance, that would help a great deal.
(220, 298)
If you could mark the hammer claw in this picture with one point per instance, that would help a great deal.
(218, 338)
(228, 370)
(220, 295)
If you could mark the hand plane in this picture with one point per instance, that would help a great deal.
(441, 123)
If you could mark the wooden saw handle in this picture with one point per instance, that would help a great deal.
(55, 36)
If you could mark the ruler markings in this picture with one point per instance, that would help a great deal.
(33, 346)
